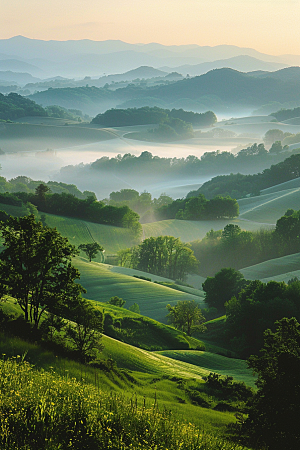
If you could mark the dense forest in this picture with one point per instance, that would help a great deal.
(285, 114)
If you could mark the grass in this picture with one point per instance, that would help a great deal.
(237, 368)
(41, 410)
(18, 137)
(102, 282)
(284, 267)
(268, 208)
(188, 230)
(80, 231)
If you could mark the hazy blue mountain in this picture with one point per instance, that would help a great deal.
(291, 74)
(242, 63)
(16, 65)
(17, 77)
(95, 58)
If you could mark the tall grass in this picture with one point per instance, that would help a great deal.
(43, 411)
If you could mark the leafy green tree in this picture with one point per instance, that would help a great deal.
(187, 316)
(86, 330)
(135, 308)
(40, 192)
(91, 250)
(35, 267)
(117, 301)
(224, 285)
(274, 414)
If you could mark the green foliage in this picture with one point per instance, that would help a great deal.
(224, 285)
(239, 185)
(198, 208)
(91, 249)
(186, 316)
(36, 267)
(87, 209)
(135, 308)
(285, 114)
(13, 106)
(256, 308)
(41, 410)
(117, 301)
(85, 332)
(152, 115)
(274, 411)
(165, 256)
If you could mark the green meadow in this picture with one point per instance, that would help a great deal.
(102, 282)
(278, 269)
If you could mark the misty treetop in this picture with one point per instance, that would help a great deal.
(152, 115)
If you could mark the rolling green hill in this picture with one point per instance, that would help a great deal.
(17, 137)
(102, 282)
(268, 208)
(237, 368)
(278, 269)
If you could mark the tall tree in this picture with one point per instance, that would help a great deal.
(91, 250)
(274, 414)
(187, 316)
(35, 267)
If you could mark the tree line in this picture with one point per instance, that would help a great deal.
(237, 248)
(198, 208)
(152, 115)
(239, 185)
(66, 204)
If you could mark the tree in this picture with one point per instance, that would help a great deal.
(117, 301)
(86, 331)
(164, 255)
(91, 250)
(135, 308)
(40, 192)
(36, 269)
(224, 285)
(274, 414)
(187, 316)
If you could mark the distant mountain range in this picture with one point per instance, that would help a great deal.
(81, 58)
(218, 90)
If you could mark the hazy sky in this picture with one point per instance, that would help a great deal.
(270, 26)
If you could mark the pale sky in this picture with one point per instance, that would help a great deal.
(269, 26)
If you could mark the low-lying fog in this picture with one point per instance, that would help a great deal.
(46, 164)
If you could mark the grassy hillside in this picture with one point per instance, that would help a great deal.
(267, 208)
(80, 231)
(30, 137)
(189, 230)
(284, 268)
(102, 282)
(237, 368)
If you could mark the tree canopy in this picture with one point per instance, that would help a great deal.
(165, 256)
(273, 417)
(91, 249)
(36, 268)
(187, 316)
